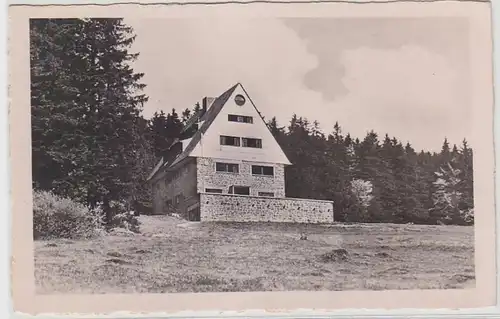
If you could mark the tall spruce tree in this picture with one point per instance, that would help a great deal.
(401, 182)
(158, 131)
(98, 98)
(173, 126)
(467, 176)
(57, 130)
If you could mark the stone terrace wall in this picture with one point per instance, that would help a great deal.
(240, 208)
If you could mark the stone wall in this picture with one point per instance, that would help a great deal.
(241, 208)
(209, 178)
(181, 183)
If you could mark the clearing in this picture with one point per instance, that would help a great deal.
(172, 255)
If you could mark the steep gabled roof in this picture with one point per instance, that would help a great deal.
(157, 167)
(178, 154)
(206, 120)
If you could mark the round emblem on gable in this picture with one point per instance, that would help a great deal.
(239, 99)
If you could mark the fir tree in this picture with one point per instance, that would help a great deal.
(95, 137)
(158, 131)
(186, 114)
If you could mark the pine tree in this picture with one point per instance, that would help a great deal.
(277, 131)
(197, 108)
(57, 133)
(445, 155)
(186, 114)
(96, 124)
(411, 188)
(141, 198)
(114, 102)
(173, 127)
(467, 186)
(337, 133)
(158, 132)
(402, 181)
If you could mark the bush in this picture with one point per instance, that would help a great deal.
(467, 216)
(123, 218)
(58, 217)
(335, 255)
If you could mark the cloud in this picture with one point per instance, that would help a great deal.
(328, 38)
(411, 93)
(194, 58)
(361, 73)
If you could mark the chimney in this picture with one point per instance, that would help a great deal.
(206, 103)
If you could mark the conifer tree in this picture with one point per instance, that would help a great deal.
(57, 130)
(158, 131)
(445, 155)
(99, 99)
(402, 182)
(186, 114)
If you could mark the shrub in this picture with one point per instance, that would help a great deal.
(468, 216)
(58, 217)
(123, 218)
(335, 255)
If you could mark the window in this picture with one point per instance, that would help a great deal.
(227, 167)
(266, 194)
(240, 118)
(262, 170)
(229, 140)
(213, 190)
(239, 100)
(239, 190)
(252, 142)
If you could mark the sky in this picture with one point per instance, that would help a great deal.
(407, 77)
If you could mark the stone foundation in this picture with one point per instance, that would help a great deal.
(241, 208)
(208, 178)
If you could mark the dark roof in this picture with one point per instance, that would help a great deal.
(207, 118)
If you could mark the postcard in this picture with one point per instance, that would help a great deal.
(229, 157)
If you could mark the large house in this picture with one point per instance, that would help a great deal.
(231, 168)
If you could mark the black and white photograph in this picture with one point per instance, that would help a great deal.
(229, 154)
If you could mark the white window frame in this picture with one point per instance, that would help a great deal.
(226, 171)
(263, 166)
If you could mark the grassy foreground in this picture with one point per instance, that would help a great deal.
(173, 255)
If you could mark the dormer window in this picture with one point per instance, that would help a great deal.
(240, 118)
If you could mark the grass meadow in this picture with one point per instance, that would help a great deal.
(172, 255)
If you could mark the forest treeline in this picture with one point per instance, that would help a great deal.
(377, 179)
(91, 143)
